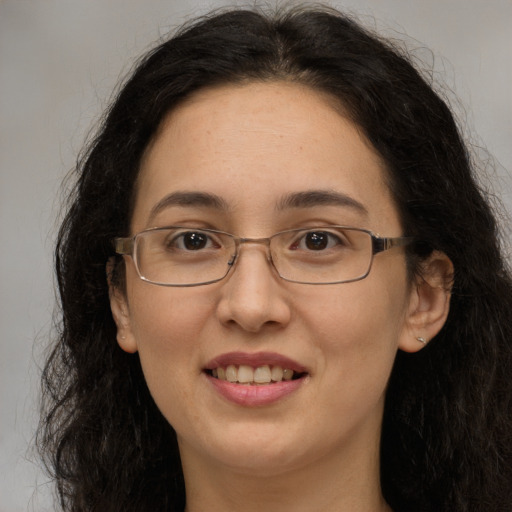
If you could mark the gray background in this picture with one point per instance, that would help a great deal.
(59, 61)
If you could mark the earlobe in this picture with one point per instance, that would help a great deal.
(429, 303)
(120, 313)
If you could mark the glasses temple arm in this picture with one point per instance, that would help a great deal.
(123, 245)
(383, 244)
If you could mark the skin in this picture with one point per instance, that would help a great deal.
(317, 448)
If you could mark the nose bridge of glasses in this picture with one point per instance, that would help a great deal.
(260, 241)
(256, 241)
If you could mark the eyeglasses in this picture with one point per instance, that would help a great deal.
(185, 256)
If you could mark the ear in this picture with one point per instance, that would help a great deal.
(429, 302)
(120, 312)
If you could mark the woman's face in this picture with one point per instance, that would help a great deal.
(254, 148)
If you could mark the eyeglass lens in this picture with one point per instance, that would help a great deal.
(185, 256)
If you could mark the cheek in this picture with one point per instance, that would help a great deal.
(166, 324)
(358, 314)
(166, 314)
(356, 328)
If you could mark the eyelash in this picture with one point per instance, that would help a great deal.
(319, 240)
(179, 238)
(319, 234)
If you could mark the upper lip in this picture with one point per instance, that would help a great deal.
(255, 360)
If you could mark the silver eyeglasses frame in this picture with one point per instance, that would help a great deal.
(126, 246)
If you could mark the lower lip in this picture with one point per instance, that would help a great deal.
(257, 395)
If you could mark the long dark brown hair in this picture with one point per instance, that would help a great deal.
(446, 441)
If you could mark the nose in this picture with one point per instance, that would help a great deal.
(253, 296)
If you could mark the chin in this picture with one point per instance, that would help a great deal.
(256, 449)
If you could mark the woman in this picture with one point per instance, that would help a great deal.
(281, 286)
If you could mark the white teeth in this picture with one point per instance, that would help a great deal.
(231, 373)
(262, 375)
(277, 374)
(287, 374)
(245, 374)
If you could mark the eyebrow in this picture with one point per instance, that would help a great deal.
(304, 199)
(312, 198)
(189, 199)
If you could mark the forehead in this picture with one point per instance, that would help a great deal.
(254, 144)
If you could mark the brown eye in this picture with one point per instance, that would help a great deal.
(320, 241)
(316, 241)
(194, 241)
(190, 241)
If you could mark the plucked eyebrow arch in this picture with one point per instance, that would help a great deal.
(312, 198)
(189, 199)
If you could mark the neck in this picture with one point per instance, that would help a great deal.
(335, 482)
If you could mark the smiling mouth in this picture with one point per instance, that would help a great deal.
(249, 376)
